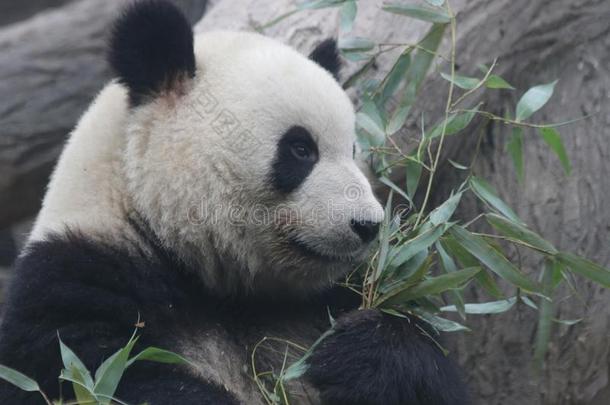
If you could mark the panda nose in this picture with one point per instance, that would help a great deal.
(366, 230)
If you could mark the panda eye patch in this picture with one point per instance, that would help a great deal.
(296, 155)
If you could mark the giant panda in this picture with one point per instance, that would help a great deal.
(210, 194)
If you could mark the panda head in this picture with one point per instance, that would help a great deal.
(240, 154)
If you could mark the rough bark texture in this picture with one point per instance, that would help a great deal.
(52, 65)
(11, 11)
(568, 41)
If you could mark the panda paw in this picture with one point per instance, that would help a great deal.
(375, 358)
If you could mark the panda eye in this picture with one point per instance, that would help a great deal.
(302, 152)
(296, 155)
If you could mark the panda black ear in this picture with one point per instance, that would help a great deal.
(151, 49)
(326, 54)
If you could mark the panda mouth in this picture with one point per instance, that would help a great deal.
(305, 250)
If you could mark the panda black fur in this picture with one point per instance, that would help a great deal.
(116, 240)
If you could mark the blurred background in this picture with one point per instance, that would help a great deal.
(52, 65)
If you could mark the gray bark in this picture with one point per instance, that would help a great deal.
(53, 64)
(537, 42)
(12, 11)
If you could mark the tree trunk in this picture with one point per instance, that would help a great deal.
(11, 11)
(54, 65)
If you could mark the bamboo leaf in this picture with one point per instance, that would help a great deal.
(484, 279)
(393, 312)
(394, 78)
(18, 379)
(413, 174)
(356, 56)
(527, 301)
(416, 245)
(515, 149)
(369, 124)
(519, 232)
(348, 13)
(444, 282)
(433, 285)
(370, 109)
(489, 256)
(414, 277)
(444, 212)
(442, 324)
(455, 123)
(533, 100)
(399, 117)
(72, 362)
(485, 192)
(317, 4)
(463, 82)
(416, 73)
(496, 82)
(449, 266)
(553, 139)
(359, 73)
(384, 240)
(110, 372)
(412, 270)
(585, 268)
(558, 275)
(409, 274)
(457, 165)
(419, 12)
(489, 284)
(157, 355)
(299, 368)
(83, 393)
(485, 308)
(394, 187)
(355, 44)
(543, 331)
(568, 322)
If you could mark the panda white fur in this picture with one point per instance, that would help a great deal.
(211, 191)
